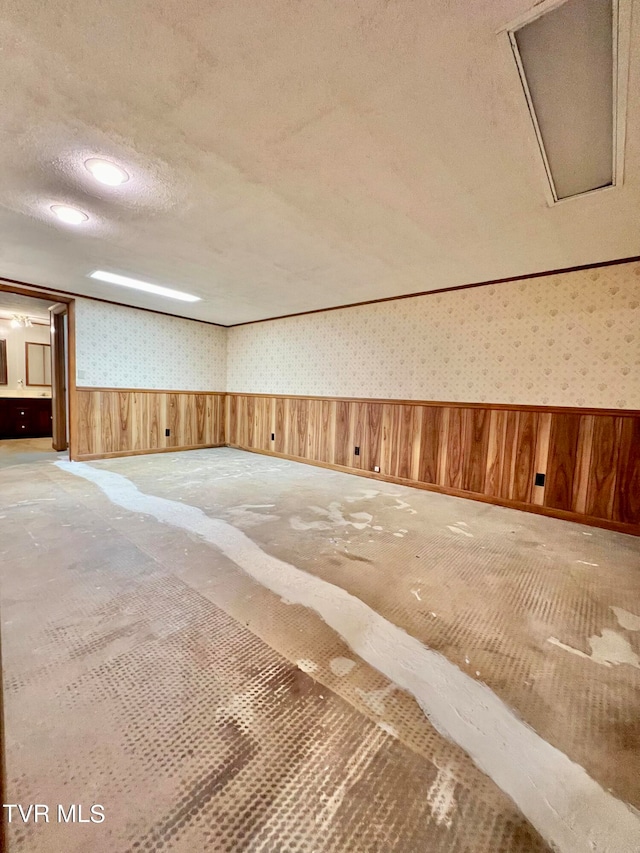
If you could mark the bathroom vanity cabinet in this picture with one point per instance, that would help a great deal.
(25, 417)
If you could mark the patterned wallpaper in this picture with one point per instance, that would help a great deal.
(120, 347)
(567, 340)
(570, 340)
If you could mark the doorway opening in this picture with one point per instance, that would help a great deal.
(36, 328)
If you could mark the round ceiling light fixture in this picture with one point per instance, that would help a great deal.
(106, 172)
(70, 215)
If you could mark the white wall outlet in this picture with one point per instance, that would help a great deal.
(376, 469)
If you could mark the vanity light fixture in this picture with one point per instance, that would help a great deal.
(70, 215)
(21, 320)
(106, 172)
(136, 284)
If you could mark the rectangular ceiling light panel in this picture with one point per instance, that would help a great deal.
(136, 284)
(567, 58)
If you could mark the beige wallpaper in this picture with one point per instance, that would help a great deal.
(568, 340)
(120, 347)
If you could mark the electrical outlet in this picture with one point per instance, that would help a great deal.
(376, 469)
(357, 451)
(539, 481)
(273, 436)
(167, 432)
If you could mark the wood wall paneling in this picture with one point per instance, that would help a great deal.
(603, 461)
(281, 426)
(357, 430)
(370, 451)
(591, 461)
(300, 434)
(562, 464)
(342, 455)
(626, 503)
(115, 421)
(542, 454)
(495, 453)
(524, 457)
(249, 406)
(430, 435)
(459, 440)
(410, 429)
(264, 424)
(88, 424)
(326, 439)
(475, 449)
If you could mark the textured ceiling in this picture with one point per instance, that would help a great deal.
(13, 303)
(284, 156)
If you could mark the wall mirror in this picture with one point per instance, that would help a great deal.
(3, 363)
(38, 358)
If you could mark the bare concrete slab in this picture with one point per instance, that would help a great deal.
(27, 450)
(146, 671)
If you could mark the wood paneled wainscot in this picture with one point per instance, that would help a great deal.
(127, 421)
(590, 458)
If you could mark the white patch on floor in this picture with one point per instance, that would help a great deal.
(459, 530)
(306, 665)
(585, 563)
(356, 766)
(334, 518)
(374, 699)
(441, 797)
(607, 648)
(365, 517)
(388, 728)
(28, 502)
(341, 666)
(404, 507)
(240, 708)
(626, 619)
(297, 524)
(363, 495)
(244, 516)
(567, 807)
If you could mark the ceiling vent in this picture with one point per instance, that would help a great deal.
(573, 60)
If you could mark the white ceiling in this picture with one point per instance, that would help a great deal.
(13, 303)
(284, 156)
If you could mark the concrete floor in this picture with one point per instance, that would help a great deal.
(220, 666)
(24, 450)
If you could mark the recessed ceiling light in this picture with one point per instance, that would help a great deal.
(70, 215)
(125, 281)
(106, 172)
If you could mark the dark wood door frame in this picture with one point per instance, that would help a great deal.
(58, 376)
